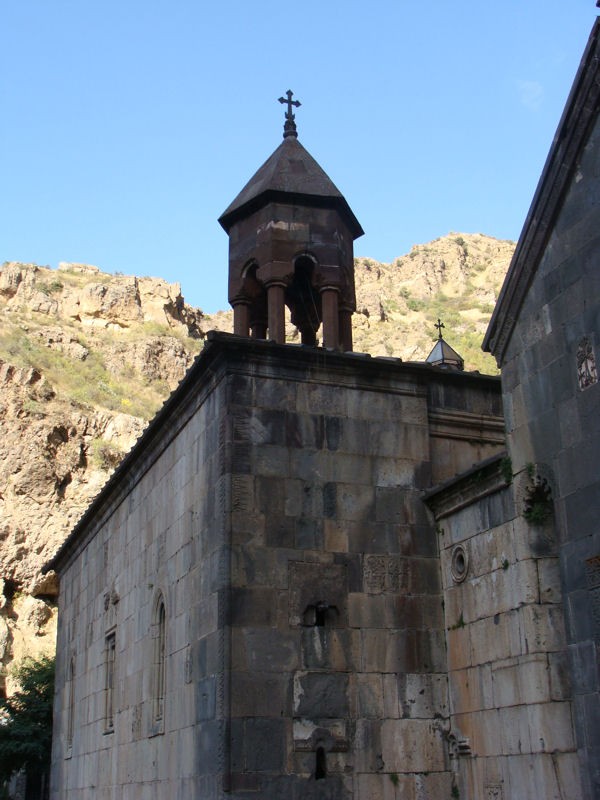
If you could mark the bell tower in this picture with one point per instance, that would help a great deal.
(291, 235)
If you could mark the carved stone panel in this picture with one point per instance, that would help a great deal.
(587, 374)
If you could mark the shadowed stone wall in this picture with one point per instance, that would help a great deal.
(511, 725)
(552, 402)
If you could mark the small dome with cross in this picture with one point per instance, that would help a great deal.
(442, 354)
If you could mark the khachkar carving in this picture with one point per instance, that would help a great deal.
(587, 374)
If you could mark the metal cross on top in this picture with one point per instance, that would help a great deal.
(289, 129)
(439, 325)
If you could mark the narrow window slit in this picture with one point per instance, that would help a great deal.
(321, 764)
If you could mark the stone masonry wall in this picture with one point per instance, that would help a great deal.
(512, 735)
(164, 537)
(338, 664)
(552, 403)
(275, 504)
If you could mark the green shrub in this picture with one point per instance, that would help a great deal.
(26, 729)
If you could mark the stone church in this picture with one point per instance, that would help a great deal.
(324, 575)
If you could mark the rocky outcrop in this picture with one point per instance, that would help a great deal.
(67, 337)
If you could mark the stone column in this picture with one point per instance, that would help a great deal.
(276, 311)
(308, 336)
(331, 322)
(259, 329)
(346, 329)
(241, 317)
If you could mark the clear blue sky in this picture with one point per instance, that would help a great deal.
(128, 126)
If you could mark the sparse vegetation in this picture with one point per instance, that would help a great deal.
(506, 469)
(50, 288)
(105, 454)
(87, 382)
(460, 623)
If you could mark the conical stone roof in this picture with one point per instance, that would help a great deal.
(289, 175)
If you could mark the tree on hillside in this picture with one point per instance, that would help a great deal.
(26, 723)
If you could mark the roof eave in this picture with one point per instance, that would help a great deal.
(230, 217)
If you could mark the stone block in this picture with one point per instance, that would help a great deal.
(391, 472)
(462, 525)
(581, 510)
(375, 537)
(460, 649)
(354, 502)
(471, 689)
(304, 431)
(391, 505)
(311, 584)
(387, 786)
(335, 536)
(406, 441)
(515, 730)
(551, 727)
(269, 460)
(498, 637)
(522, 680)
(407, 611)
(330, 648)
(560, 676)
(412, 746)
(265, 745)
(433, 785)
(262, 426)
(280, 531)
(542, 629)
(534, 679)
(271, 650)
(314, 398)
(423, 696)
(208, 743)
(305, 464)
(260, 694)
(269, 393)
(367, 746)
(308, 534)
(549, 578)
(390, 696)
(367, 611)
(494, 548)
(253, 606)
(583, 665)
(369, 691)
(320, 695)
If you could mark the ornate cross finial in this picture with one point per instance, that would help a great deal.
(439, 325)
(289, 129)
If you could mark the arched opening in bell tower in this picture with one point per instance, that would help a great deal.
(303, 300)
(256, 302)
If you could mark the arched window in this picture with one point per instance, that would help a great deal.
(71, 703)
(320, 764)
(304, 300)
(110, 654)
(159, 662)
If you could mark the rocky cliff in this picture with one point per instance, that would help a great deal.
(87, 358)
